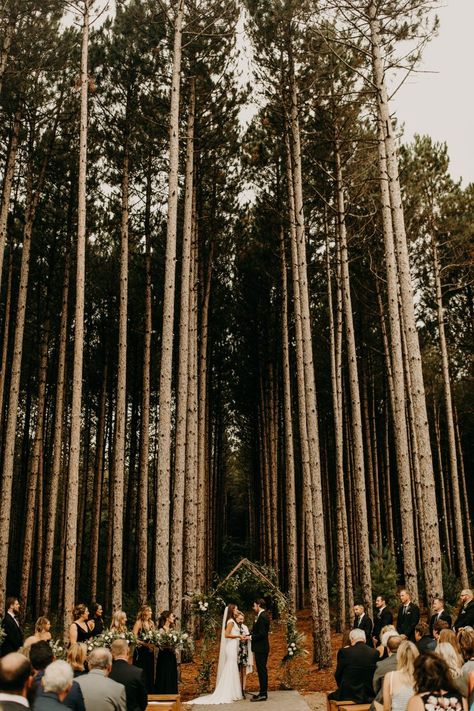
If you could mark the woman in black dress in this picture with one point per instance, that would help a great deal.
(144, 656)
(166, 680)
(80, 631)
(96, 622)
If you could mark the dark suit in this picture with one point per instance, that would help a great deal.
(465, 617)
(261, 649)
(12, 706)
(14, 635)
(426, 644)
(382, 618)
(444, 616)
(354, 674)
(74, 699)
(408, 620)
(366, 625)
(134, 682)
(47, 702)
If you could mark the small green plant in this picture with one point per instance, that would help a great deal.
(204, 676)
(383, 570)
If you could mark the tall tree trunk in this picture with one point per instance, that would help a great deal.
(98, 486)
(464, 495)
(5, 51)
(162, 568)
(8, 184)
(6, 334)
(75, 441)
(445, 518)
(431, 557)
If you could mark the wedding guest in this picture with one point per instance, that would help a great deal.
(450, 637)
(166, 679)
(41, 656)
(119, 622)
(382, 618)
(386, 665)
(15, 682)
(42, 632)
(76, 657)
(439, 613)
(144, 656)
(466, 642)
(245, 656)
(363, 622)
(13, 633)
(398, 686)
(454, 661)
(96, 622)
(79, 631)
(408, 616)
(423, 639)
(438, 627)
(57, 682)
(100, 692)
(434, 687)
(385, 634)
(466, 613)
(129, 675)
(355, 670)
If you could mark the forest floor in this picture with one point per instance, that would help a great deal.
(312, 681)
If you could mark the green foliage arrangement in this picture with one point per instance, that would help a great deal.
(106, 638)
(383, 569)
(58, 649)
(294, 671)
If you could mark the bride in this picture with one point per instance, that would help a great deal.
(228, 686)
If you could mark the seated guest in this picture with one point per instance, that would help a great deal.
(466, 613)
(41, 656)
(439, 613)
(387, 632)
(454, 662)
(466, 642)
(76, 657)
(129, 675)
(42, 632)
(101, 693)
(438, 627)
(15, 682)
(423, 640)
(355, 670)
(13, 639)
(57, 682)
(398, 686)
(382, 618)
(408, 616)
(363, 622)
(434, 687)
(386, 665)
(450, 637)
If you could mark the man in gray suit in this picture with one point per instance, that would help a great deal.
(101, 693)
(385, 666)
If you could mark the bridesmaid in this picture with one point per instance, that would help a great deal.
(166, 680)
(80, 631)
(144, 656)
(96, 622)
(42, 632)
(119, 622)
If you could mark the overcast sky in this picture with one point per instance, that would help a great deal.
(442, 104)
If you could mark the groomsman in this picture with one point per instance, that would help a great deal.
(13, 633)
(466, 614)
(408, 616)
(439, 613)
(383, 617)
(363, 622)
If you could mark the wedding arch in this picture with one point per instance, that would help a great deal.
(208, 608)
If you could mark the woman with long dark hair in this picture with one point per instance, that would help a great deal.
(435, 689)
(166, 679)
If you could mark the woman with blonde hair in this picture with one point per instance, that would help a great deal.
(398, 686)
(385, 633)
(42, 632)
(144, 656)
(446, 651)
(76, 658)
(119, 622)
(450, 637)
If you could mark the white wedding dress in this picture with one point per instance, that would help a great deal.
(228, 687)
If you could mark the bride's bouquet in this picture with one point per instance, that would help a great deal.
(108, 636)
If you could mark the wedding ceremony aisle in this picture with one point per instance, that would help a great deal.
(277, 701)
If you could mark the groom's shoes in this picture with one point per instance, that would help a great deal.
(258, 697)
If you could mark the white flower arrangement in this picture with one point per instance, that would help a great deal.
(106, 638)
(57, 648)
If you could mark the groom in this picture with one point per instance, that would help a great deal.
(261, 648)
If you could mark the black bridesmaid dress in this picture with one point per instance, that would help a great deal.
(144, 658)
(166, 680)
(82, 636)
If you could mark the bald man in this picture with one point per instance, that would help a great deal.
(15, 681)
(466, 613)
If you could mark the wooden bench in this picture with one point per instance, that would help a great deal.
(335, 705)
(164, 702)
(351, 706)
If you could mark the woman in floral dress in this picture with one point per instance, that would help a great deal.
(244, 656)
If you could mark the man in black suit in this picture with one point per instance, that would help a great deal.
(261, 648)
(424, 641)
(129, 675)
(466, 613)
(363, 622)
(408, 616)
(383, 617)
(15, 682)
(13, 632)
(355, 670)
(439, 613)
